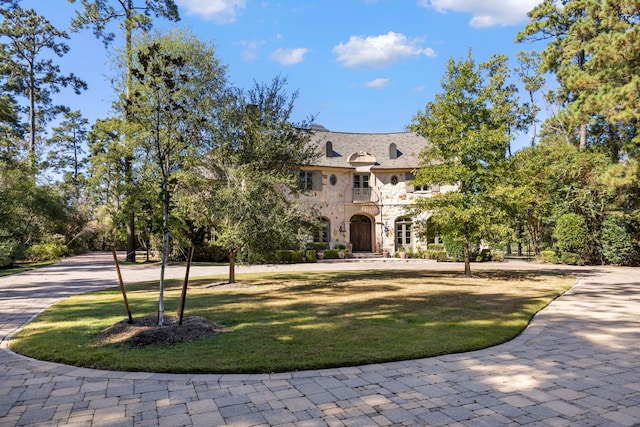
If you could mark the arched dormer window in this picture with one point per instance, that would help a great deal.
(393, 151)
(329, 149)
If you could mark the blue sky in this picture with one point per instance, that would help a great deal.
(359, 65)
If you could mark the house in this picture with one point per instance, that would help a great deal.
(361, 188)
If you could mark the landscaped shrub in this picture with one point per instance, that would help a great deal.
(288, 256)
(310, 255)
(549, 256)
(617, 241)
(570, 233)
(484, 256)
(331, 254)
(497, 255)
(341, 246)
(418, 253)
(571, 258)
(436, 247)
(455, 249)
(46, 251)
(440, 256)
(8, 252)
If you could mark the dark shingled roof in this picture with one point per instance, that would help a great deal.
(408, 146)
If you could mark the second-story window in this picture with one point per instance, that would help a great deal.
(310, 180)
(361, 181)
(306, 180)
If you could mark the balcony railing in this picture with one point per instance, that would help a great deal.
(361, 195)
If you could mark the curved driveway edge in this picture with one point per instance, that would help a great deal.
(577, 364)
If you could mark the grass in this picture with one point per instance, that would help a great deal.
(294, 321)
(19, 267)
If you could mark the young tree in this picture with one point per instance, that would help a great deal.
(251, 178)
(467, 140)
(177, 82)
(27, 40)
(98, 14)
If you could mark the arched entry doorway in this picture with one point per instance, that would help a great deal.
(360, 233)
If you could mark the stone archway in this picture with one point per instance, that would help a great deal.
(360, 233)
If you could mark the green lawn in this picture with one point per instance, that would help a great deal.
(294, 321)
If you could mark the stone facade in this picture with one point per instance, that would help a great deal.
(360, 187)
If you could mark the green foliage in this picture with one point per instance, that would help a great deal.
(570, 233)
(549, 256)
(27, 67)
(47, 251)
(571, 258)
(618, 244)
(484, 255)
(436, 246)
(310, 255)
(320, 246)
(468, 127)
(10, 251)
(341, 246)
(440, 256)
(248, 190)
(455, 249)
(331, 254)
(289, 256)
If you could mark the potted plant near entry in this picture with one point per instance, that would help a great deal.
(320, 247)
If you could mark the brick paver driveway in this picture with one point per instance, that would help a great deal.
(578, 363)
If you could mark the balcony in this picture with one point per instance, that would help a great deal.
(362, 195)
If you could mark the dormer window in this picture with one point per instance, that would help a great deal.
(393, 151)
(329, 149)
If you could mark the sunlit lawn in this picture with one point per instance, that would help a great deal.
(293, 321)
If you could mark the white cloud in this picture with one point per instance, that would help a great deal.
(378, 83)
(379, 51)
(289, 56)
(220, 11)
(486, 13)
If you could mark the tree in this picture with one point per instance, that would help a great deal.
(594, 50)
(176, 84)
(533, 81)
(69, 137)
(248, 193)
(134, 15)
(467, 133)
(28, 38)
(564, 54)
(525, 190)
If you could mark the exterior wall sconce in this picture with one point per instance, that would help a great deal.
(342, 229)
(386, 227)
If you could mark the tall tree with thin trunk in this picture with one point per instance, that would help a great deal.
(568, 27)
(27, 41)
(528, 71)
(97, 15)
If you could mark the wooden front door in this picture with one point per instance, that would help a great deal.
(360, 232)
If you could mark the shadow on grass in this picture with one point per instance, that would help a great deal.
(280, 322)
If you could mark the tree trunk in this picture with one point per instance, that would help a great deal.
(232, 266)
(165, 248)
(467, 258)
(128, 162)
